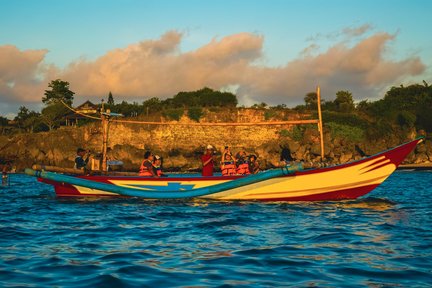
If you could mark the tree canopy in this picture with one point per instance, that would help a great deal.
(59, 91)
(110, 99)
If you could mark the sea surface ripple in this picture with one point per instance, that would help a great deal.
(381, 240)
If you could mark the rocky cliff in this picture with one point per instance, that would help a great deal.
(181, 146)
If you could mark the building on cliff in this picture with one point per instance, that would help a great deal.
(72, 117)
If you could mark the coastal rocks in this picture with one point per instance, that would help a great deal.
(421, 158)
(181, 146)
(345, 157)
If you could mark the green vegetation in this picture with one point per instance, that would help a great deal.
(296, 133)
(402, 110)
(173, 114)
(59, 92)
(348, 132)
(195, 113)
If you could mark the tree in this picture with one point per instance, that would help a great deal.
(3, 121)
(59, 91)
(3, 124)
(27, 120)
(52, 115)
(344, 101)
(152, 104)
(22, 115)
(110, 99)
(205, 97)
(311, 100)
(262, 105)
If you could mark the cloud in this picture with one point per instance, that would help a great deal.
(362, 69)
(356, 31)
(20, 73)
(158, 68)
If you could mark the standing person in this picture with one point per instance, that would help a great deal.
(80, 162)
(146, 168)
(208, 161)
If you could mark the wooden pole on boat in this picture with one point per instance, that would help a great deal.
(105, 123)
(320, 126)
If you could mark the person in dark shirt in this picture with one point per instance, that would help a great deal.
(285, 156)
(80, 162)
(253, 164)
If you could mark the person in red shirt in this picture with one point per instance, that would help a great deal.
(208, 161)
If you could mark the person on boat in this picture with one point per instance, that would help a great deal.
(228, 166)
(253, 164)
(80, 159)
(157, 166)
(146, 168)
(242, 163)
(285, 156)
(207, 160)
(226, 151)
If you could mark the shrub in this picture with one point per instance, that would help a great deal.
(354, 134)
(174, 114)
(268, 114)
(295, 134)
(406, 119)
(195, 113)
(345, 118)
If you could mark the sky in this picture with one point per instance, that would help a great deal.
(271, 51)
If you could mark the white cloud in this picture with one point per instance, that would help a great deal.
(157, 68)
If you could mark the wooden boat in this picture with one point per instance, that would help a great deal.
(346, 181)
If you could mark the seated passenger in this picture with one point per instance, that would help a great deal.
(242, 163)
(157, 166)
(285, 156)
(253, 164)
(146, 168)
(226, 152)
(80, 162)
(228, 167)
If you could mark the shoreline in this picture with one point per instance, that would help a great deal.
(417, 167)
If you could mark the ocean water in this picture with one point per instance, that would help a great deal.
(381, 240)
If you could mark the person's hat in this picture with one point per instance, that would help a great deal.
(157, 157)
(80, 150)
(209, 147)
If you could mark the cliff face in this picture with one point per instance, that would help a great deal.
(181, 146)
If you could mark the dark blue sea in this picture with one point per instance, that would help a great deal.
(381, 240)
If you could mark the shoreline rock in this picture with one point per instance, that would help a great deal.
(181, 146)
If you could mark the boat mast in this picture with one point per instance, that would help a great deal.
(320, 125)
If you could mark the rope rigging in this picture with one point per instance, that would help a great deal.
(290, 122)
